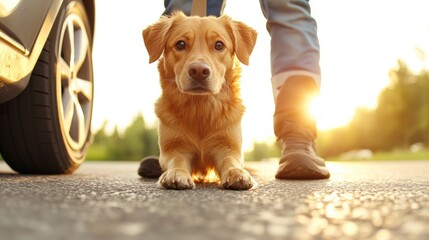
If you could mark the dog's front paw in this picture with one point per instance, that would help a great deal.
(237, 179)
(176, 178)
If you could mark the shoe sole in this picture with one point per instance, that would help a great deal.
(302, 168)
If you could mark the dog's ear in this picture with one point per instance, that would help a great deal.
(154, 37)
(244, 39)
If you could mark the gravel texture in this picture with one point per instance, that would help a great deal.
(107, 200)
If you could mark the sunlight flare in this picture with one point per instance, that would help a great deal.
(314, 107)
(210, 177)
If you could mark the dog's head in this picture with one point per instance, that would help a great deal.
(198, 51)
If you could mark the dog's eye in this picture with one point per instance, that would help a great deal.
(219, 46)
(180, 45)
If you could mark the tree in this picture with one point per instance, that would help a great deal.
(262, 150)
(137, 142)
(400, 119)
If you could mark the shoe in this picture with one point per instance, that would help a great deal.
(150, 168)
(296, 131)
(299, 159)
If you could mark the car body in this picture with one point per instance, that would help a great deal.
(46, 83)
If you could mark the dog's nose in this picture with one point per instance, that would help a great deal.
(199, 71)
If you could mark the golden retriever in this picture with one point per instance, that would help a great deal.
(200, 108)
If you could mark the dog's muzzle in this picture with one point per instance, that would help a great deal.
(199, 73)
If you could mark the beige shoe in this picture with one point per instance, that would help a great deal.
(296, 131)
(299, 159)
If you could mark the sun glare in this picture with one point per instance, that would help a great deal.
(331, 113)
(314, 108)
(210, 177)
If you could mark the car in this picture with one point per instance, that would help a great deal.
(46, 84)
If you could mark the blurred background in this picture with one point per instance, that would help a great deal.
(374, 100)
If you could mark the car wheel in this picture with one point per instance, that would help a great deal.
(47, 128)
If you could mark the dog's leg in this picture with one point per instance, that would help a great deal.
(230, 166)
(232, 174)
(176, 172)
(175, 160)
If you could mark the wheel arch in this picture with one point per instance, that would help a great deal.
(12, 83)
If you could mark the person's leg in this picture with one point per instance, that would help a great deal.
(295, 81)
(214, 7)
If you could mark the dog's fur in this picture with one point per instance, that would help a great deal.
(200, 108)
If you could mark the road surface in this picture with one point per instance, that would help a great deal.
(107, 200)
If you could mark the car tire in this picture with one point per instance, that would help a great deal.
(47, 128)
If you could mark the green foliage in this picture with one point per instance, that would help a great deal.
(400, 119)
(137, 142)
(262, 150)
(395, 154)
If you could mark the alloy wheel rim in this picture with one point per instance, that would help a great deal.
(74, 82)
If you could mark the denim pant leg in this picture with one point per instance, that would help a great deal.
(214, 7)
(294, 41)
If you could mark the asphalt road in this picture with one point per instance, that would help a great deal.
(362, 200)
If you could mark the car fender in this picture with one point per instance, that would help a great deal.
(19, 56)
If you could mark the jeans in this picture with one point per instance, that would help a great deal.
(294, 41)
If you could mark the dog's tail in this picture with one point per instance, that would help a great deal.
(150, 168)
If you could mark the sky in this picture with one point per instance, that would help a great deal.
(360, 40)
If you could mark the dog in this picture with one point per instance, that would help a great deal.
(200, 108)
